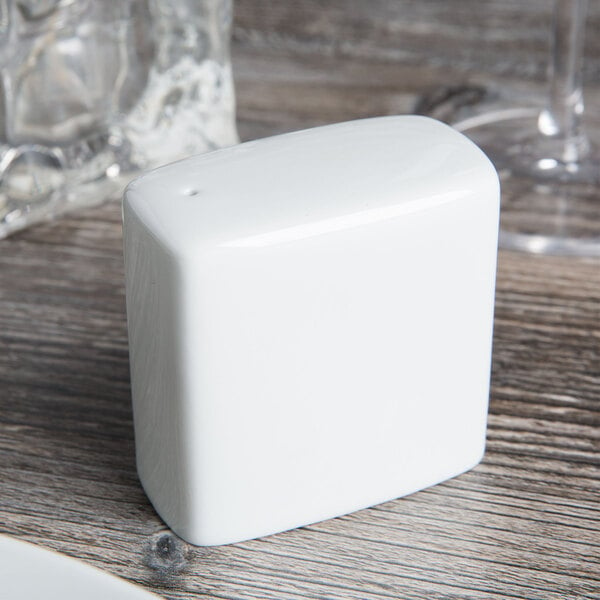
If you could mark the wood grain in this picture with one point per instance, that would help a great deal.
(499, 37)
(523, 524)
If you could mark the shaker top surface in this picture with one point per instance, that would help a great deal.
(306, 183)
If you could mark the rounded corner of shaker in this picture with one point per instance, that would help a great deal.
(493, 177)
(126, 197)
(430, 121)
(478, 454)
(203, 536)
(131, 189)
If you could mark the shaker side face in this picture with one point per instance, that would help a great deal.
(153, 282)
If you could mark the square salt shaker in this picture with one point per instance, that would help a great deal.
(310, 323)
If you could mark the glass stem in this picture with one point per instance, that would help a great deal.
(562, 117)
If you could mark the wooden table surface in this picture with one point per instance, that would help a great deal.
(524, 524)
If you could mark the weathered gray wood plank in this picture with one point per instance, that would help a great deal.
(524, 524)
(507, 37)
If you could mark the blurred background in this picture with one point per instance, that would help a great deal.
(93, 93)
(345, 59)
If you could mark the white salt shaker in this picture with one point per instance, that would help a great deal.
(310, 323)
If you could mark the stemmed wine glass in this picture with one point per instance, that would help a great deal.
(547, 156)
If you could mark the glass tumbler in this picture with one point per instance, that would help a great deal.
(94, 91)
(546, 149)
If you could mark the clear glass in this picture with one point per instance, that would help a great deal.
(546, 150)
(94, 91)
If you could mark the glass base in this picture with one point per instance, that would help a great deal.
(550, 191)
